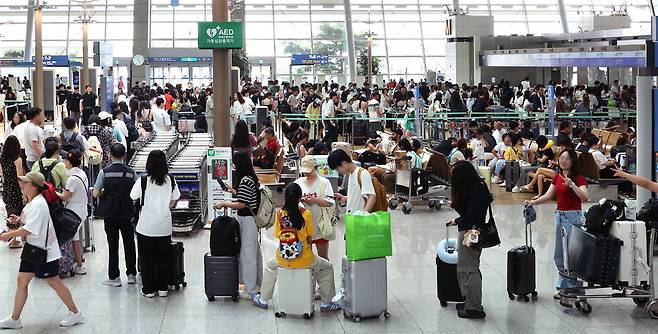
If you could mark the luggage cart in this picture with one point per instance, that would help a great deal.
(411, 185)
(643, 296)
(189, 168)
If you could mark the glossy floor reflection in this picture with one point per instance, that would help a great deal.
(411, 285)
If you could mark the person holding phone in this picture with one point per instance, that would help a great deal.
(41, 253)
(569, 188)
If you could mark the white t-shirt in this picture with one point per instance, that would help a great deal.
(161, 121)
(155, 218)
(121, 125)
(77, 184)
(32, 133)
(19, 132)
(329, 109)
(321, 188)
(498, 136)
(36, 218)
(356, 196)
(599, 158)
(500, 148)
(373, 110)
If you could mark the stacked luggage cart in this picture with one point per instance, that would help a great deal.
(189, 167)
(163, 141)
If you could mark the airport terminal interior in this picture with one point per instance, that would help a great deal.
(328, 166)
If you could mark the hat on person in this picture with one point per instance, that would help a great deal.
(72, 155)
(104, 115)
(317, 101)
(308, 164)
(34, 177)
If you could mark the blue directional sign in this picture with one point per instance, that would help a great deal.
(309, 59)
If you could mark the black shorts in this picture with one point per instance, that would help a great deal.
(48, 270)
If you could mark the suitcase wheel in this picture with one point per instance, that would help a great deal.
(534, 295)
(235, 298)
(393, 204)
(443, 303)
(387, 315)
(407, 207)
(524, 298)
(511, 296)
(356, 319)
(307, 316)
(185, 284)
(211, 298)
(177, 287)
(280, 314)
(584, 307)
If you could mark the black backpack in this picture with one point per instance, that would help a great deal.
(599, 217)
(72, 143)
(225, 237)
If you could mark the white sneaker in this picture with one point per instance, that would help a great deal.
(9, 323)
(113, 282)
(147, 295)
(495, 179)
(515, 189)
(502, 184)
(163, 293)
(79, 270)
(132, 279)
(72, 319)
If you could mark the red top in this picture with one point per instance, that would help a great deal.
(566, 198)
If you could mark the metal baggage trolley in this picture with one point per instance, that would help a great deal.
(411, 185)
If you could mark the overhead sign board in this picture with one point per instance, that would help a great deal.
(567, 59)
(220, 35)
(48, 61)
(153, 60)
(309, 59)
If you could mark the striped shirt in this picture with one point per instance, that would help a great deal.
(247, 193)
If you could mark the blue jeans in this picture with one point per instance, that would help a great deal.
(565, 219)
(499, 166)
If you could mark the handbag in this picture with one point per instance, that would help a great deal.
(328, 220)
(489, 233)
(34, 255)
(368, 235)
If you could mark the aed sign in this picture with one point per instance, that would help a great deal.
(220, 35)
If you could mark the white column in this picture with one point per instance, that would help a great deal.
(351, 58)
(29, 26)
(645, 130)
(563, 16)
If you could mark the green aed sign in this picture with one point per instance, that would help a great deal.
(220, 35)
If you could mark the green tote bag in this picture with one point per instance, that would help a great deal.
(368, 235)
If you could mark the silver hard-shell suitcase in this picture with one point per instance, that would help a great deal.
(364, 289)
(633, 267)
(294, 293)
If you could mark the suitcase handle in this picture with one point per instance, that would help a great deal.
(448, 224)
(528, 231)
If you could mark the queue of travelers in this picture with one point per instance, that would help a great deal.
(94, 146)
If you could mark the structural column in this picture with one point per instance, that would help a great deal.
(37, 91)
(563, 16)
(84, 76)
(29, 25)
(645, 130)
(140, 40)
(221, 78)
(349, 38)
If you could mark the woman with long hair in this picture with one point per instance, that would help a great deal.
(154, 224)
(12, 167)
(17, 119)
(297, 254)
(242, 140)
(471, 199)
(134, 107)
(240, 109)
(569, 188)
(246, 191)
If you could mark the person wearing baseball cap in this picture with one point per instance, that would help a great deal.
(75, 194)
(316, 192)
(40, 236)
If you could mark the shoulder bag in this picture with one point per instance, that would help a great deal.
(328, 219)
(35, 255)
(489, 233)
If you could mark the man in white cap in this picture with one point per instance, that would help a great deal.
(40, 237)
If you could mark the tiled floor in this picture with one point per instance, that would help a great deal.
(411, 284)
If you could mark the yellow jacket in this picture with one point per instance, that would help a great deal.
(513, 153)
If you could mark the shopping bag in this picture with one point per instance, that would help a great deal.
(368, 235)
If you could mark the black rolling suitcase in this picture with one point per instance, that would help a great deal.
(177, 274)
(521, 278)
(594, 258)
(447, 286)
(221, 276)
(512, 174)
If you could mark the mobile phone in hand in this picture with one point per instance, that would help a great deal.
(222, 184)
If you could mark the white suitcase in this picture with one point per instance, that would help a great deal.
(294, 293)
(633, 269)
